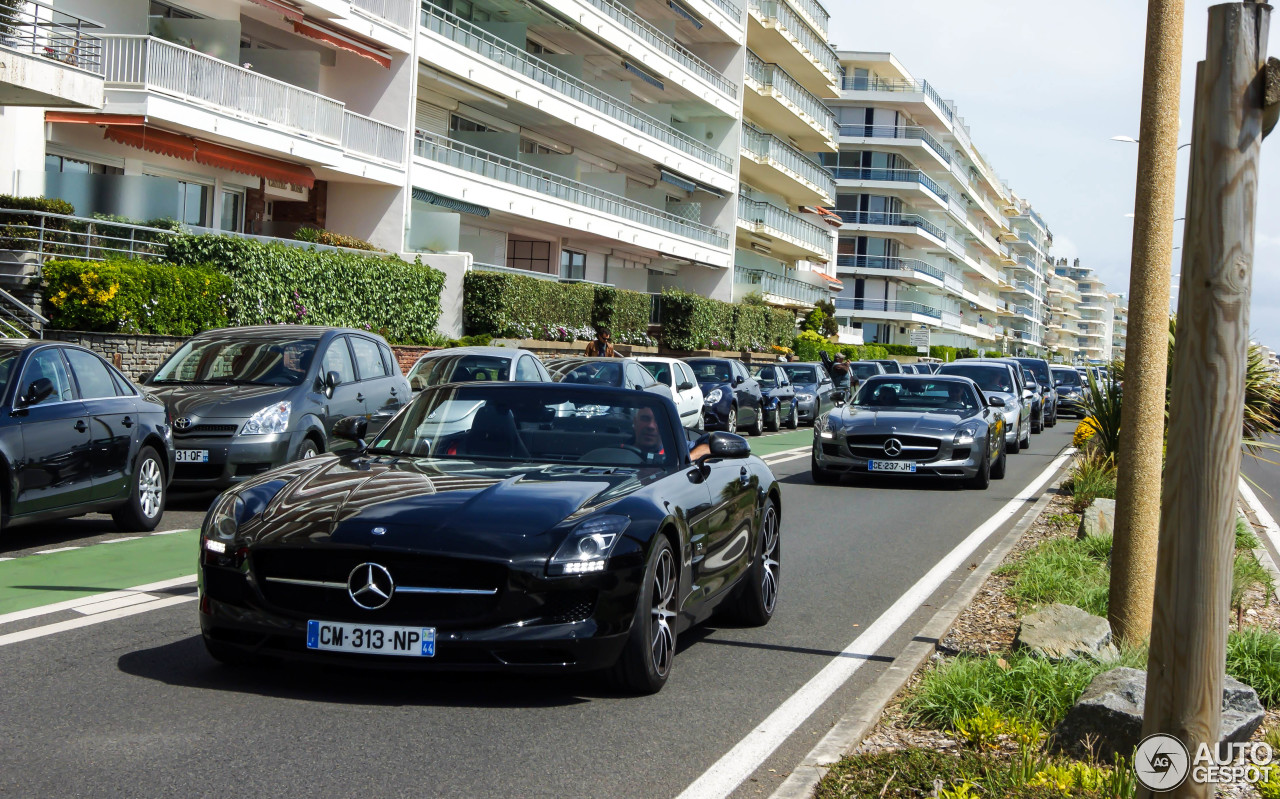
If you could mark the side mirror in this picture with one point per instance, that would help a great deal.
(784, 384)
(329, 382)
(352, 428)
(1027, 393)
(685, 386)
(728, 445)
(995, 402)
(145, 377)
(739, 380)
(39, 390)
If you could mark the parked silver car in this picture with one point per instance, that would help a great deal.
(999, 378)
(477, 364)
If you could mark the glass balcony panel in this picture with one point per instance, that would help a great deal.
(775, 77)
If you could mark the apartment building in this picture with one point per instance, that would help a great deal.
(1119, 324)
(1093, 330)
(931, 237)
(1061, 342)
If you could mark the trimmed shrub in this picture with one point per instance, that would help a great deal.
(17, 229)
(516, 306)
(331, 239)
(625, 313)
(135, 297)
(808, 345)
(693, 322)
(276, 283)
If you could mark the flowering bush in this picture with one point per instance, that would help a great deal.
(135, 297)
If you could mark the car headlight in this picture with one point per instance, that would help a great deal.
(824, 427)
(714, 396)
(804, 396)
(587, 547)
(966, 434)
(272, 419)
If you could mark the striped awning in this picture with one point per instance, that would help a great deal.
(676, 180)
(461, 206)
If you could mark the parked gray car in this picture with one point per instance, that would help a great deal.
(997, 377)
(247, 399)
(477, 364)
(814, 389)
(616, 372)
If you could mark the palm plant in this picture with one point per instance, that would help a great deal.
(1102, 403)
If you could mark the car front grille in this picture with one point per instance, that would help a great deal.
(207, 431)
(914, 448)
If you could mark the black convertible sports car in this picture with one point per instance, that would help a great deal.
(491, 526)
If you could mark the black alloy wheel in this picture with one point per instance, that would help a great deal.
(758, 594)
(645, 662)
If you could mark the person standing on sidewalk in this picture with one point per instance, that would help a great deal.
(601, 347)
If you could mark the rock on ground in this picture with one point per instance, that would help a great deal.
(1109, 714)
(1098, 519)
(1064, 632)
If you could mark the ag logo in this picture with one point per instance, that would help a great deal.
(1161, 762)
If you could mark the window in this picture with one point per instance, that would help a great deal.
(537, 48)
(527, 371)
(467, 125)
(686, 374)
(159, 9)
(639, 376)
(91, 375)
(193, 203)
(338, 359)
(47, 364)
(232, 209)
(368, 359)
(573, 265)
(389, 359)
(62, 163)
(531, 255)
(531, 147)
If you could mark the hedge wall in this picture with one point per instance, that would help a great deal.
(693, 322)
(135, 297)
(275, 283)
(517, 306)
(808, 344)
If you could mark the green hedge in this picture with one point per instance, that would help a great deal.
(517, 306)
(135, 297)
(808, 345)
(276, 283)
(693, 322)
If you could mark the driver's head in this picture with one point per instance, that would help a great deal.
(603, 334)
(646, 429)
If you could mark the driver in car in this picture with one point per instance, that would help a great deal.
(647, 439)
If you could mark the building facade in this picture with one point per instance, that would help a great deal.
(1094, 328)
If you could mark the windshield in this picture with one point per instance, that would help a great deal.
(711, 371)
(240, 361)
(941, 396)
(864, 370)
(1066, 377)
(1038, 368)
(988, 378)
(1030, 379)
(568, 425)
(458, 369)
(801, 374)
(661, 371)
(590, 373)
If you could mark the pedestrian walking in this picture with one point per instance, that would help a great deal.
(601, 347)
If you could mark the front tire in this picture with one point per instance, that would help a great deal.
(774, 424)
(1001, 464)
(1037, 423)
(309, 449)
(758, 596)
(144, 508)
(757, 429)
(1025, 443)
(646, 659)
(731, 422)
(822, 476)
(794, 421)
(982, 479)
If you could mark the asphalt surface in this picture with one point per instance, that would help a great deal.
(134, 707)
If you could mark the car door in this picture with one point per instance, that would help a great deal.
(379, 390)
(727, 539)
(825, 389)
(346, 398)
(113, 422)
(55, 468)
(686, 386)
(748, 391)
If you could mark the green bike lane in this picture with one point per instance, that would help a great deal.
(45, 579)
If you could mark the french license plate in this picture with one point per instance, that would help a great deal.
(891, 466)
(371, 639)
(192, 456)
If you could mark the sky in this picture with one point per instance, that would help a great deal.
(1043, 87)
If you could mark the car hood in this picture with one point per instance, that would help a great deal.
(456, 506)
(811, 388)
(707, 388)
(859, 420)
(209, 401)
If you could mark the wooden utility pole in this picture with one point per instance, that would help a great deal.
(1193, 573)
(1133, 554)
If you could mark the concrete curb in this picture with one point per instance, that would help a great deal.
(849, 731)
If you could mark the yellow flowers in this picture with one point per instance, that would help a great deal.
(1077, 776)
(1086, 430)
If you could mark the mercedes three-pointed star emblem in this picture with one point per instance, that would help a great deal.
(370, 586)
(893, 447)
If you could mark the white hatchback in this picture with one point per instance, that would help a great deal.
(677, 376)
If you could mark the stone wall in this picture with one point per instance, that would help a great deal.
(132, 355)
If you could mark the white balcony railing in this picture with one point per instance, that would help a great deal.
(813, 45)
(397, 12)
(770, 147)
(772, 76)
(39, 29)
(366, 136)
(162, 66)
(759, 214)
(780, 286)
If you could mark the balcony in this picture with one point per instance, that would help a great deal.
(908, 269)
(781, 35)
(780, 289)
(913, 229)
(910, 137)
(907, 183)
(455, 42)
(51, 59)
(766, 159)
(479, 267)
(901, 93)
(397, 12)
(791, 109)
(952, 321)
(894, 310)
(785, 228)
(478, 176)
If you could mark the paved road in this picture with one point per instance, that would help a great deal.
(134, 707)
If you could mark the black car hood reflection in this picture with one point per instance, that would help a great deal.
(485, 509)
(206, 400)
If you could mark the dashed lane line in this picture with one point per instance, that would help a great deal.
(86, 621)
(89, 601)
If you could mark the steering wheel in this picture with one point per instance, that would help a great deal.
(625, 455)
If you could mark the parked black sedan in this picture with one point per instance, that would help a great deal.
(731, 397)
(562, 528)
(79, 437)
(780, 406)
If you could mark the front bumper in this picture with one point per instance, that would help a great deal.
(1073, 405)
(534, 624)
(232, 459)
(808, 410)
(716, 417)
(950, 461)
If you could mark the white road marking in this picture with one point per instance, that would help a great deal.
(171, 532)
(79, 602)
(118, 540)
(58, 549)
(745, 757)
(798, 456)
(1269, 525)
(4, 559)
(86, 621)
(776, 456)
(94, 608)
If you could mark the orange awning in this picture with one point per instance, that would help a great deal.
(287, 11)
(322, 34)
(188, 148)
(89, 118)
